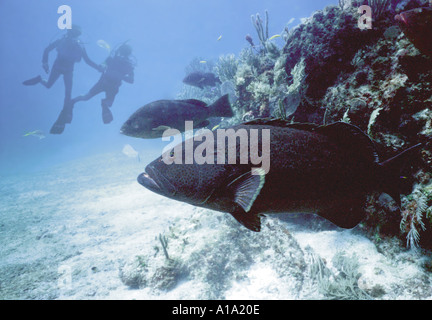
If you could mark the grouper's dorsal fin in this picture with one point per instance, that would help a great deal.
(247, 187)
(195, 102)
(352, 138)
(282, 123)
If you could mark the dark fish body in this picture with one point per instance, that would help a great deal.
(328, 170)
(417, 26)
(151, 120)
(201, 79)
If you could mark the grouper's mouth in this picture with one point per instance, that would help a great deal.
(146, 181)
(155, 182)
(125, 130)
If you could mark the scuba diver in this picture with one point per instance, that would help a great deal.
(69, 51)
(117, 67)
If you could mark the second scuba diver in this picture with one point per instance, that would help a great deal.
(118, 67)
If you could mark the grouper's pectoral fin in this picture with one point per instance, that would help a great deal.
(161, 128)
(344, 216)
(246, 189)
(250, 220)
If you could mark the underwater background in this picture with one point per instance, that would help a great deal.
(74, 222)
(165, 37)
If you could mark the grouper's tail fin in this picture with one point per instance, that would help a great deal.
(394, 182)
(221, 107)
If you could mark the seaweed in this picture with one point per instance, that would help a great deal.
(164, 242)
(412, 217)
(340, 285)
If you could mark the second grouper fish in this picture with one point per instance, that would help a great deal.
(153, 119)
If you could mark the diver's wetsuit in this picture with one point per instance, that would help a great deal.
(118, 68)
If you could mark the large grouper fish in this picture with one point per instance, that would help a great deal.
(328, 170)
(153, 119)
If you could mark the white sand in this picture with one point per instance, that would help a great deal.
(84, 229)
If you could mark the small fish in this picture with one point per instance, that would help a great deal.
(151, 120)
(417, 26)
(36, 133)
(103, 44)
(220, 37)
(327, 170)
(201, 79)
(274, 37)
(203, 61)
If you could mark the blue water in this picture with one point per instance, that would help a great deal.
(74, 222)
(165, 36)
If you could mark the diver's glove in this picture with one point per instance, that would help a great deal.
(45, 66)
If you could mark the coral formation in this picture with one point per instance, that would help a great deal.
(339, 285)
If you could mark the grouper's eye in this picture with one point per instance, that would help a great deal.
(170, 157)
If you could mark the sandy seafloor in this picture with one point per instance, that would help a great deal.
(87, 230)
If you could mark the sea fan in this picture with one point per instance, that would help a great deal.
(378, 7)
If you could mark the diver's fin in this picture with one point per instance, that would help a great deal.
(394, 183)
(58, 127)
(252, 221)
(195, 102)
(66, 114)
(107, 116)
(247, 187)
(345, 215)
(32, 81)
(221, 107)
